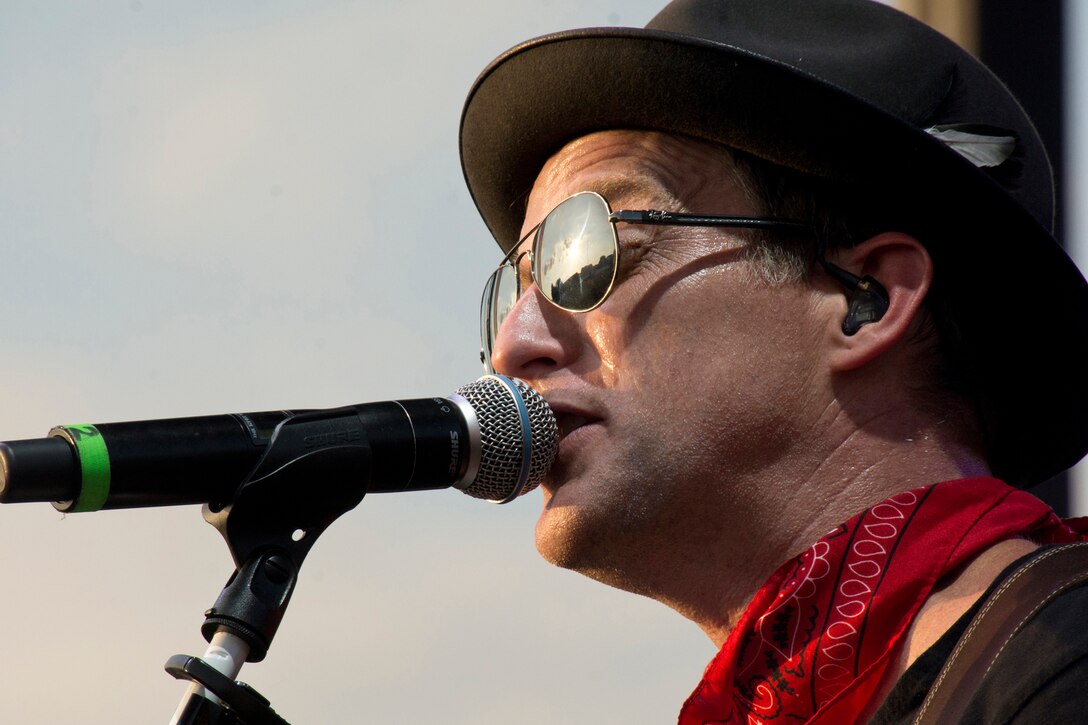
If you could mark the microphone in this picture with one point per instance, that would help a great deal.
(493, 439)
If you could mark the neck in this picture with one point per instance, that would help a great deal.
(867, 464)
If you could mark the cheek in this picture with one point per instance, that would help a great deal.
(675, 344)
(604, 335)
(718, 353)
(711, 332)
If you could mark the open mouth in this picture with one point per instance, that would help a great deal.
(569, 422)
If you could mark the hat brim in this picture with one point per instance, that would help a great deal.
(1022, 303)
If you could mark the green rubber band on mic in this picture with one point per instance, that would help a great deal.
(94, 465)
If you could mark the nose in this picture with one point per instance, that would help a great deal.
(535, 338)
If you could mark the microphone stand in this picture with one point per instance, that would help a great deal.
(276, 515)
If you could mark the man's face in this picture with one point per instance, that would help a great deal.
(686, 391)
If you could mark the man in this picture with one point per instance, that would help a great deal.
(785, 265)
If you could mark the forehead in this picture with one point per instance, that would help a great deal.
(626, 167)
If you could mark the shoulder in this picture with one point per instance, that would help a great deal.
(1042, 674)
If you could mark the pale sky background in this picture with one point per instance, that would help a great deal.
(215, 206)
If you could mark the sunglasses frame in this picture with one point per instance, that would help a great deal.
(626, 216)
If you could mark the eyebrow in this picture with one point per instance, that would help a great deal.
(612, 187)
(617, 186)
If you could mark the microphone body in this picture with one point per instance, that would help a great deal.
(493, 439)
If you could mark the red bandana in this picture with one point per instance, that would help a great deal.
(813, 644)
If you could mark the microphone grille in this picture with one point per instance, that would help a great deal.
(519, 437)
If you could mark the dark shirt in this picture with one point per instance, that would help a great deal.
(1041, 677)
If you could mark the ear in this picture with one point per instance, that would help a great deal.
(903, 267)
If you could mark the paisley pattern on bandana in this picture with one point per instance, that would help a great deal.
(813, 644)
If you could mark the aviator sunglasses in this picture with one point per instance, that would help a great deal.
(574, 257)
(574, 260)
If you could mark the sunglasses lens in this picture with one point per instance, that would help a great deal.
(574, 265)
(574, 258)
(504, 296)
(500, 295)
(486, 303)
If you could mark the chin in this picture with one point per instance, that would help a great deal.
(568, 540)
(564, 535)
(582, 537)
(553, 535)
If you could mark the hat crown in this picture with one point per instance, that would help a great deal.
(887, 59)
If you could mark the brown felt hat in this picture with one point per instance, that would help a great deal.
(848, 90)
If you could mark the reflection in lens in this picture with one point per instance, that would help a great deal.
(504, 297)
(485, 319)
(576, 257)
